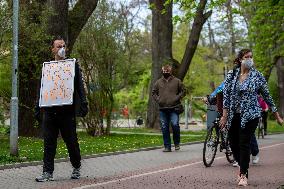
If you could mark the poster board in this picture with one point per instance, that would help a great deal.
(57, 83)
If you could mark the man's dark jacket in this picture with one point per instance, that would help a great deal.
(168, 92)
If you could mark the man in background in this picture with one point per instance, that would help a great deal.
(168, 92)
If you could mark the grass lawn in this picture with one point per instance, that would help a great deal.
(31, 149)
(274, 127)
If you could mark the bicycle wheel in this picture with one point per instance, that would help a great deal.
(262, 130)
(210, 146)
(229, 153)
(258, 130)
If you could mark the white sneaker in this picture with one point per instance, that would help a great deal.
(255, 159)
(235, 164)
(243, 181)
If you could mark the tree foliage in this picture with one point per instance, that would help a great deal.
(267, 32)
(103, 57)
(5, 59)
(40, 21)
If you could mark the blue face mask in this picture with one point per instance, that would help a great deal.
(248, 63)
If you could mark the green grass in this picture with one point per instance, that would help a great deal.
(31, 149)
(274, 127)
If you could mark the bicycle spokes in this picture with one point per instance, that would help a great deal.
(210, 146)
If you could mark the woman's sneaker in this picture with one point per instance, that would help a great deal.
(45, 177)
(243, 181)
(255, 159)
(235, 164)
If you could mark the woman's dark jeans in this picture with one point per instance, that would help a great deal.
(240, 140)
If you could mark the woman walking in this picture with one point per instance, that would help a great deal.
(241, 110)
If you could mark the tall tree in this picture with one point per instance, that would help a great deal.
(40, 20)
(162, 28)
(229, 11)
(198, 22)
(5, 58)
(99, 47)
(280, 76)
(267, 34)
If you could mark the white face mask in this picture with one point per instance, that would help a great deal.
(62, 52)
(248, 63)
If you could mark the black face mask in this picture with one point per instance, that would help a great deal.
(166, 75)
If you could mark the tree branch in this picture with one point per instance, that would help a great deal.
(77, 18)
(193, 38)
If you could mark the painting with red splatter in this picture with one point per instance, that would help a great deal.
(57, 83)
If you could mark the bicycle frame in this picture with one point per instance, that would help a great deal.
(216, 136)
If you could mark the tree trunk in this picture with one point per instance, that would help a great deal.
(231, 27)
(193, 39)
(77, 18)
(162, 29)
(280, 76)
(213, 43)
(58, 21)
(34, 49)
(31, 54)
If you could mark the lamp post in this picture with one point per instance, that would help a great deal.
(186, 110)
(14, 98)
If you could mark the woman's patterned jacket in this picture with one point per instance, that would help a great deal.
(254, 84)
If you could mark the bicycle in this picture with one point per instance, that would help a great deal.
(260, 128)
(214, 133)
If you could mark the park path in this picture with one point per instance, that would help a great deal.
(155, 169)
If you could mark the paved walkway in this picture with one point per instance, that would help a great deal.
(112, 170)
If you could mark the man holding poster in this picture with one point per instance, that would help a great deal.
(61, 89)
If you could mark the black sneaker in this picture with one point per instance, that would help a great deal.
(167, 150)
(45, 177)
(76, 173)
(177, 147)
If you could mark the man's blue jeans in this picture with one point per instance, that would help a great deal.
(168, 116)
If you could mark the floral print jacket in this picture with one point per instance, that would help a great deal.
(248, 91)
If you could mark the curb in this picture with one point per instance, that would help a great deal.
(36, 163)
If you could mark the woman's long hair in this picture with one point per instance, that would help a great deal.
(238, 60)
(241, 53)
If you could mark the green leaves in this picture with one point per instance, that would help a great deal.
(267, 33)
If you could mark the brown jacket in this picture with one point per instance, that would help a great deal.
(168, 93)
